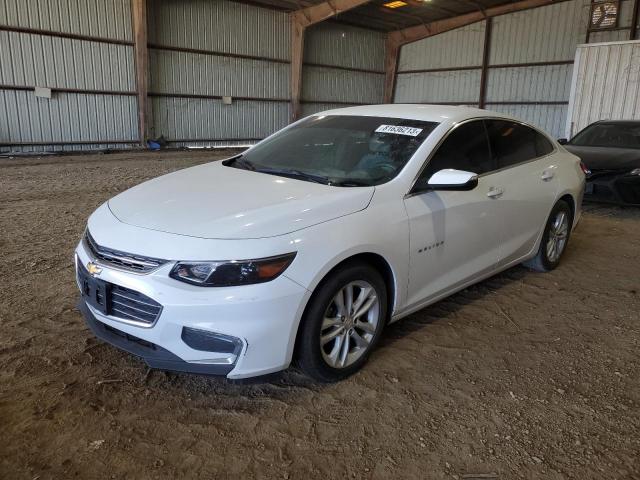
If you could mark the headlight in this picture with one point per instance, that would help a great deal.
(635, 171)
(231, 273)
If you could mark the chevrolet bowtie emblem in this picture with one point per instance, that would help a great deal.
(93, 269)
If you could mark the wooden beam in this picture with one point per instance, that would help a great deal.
(317, 13)
(634, 20)
(297, 49)
(418, 32)
(139, 8)
(300, 20)
(486, 51)
(392, 49)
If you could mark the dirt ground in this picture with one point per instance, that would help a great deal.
(525, 375)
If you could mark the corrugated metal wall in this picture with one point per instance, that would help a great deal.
(530, 62)
(93, 102)
(98, 18)
(442, 69)
(343, 66)
(607, 84)
(541, 34)
(204, 50)
(536, 93)
(193, 64)
(458, 86)
(457, 48)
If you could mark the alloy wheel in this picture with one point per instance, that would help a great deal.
(349, 324)
(557, 236)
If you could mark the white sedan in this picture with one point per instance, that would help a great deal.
(306, 245)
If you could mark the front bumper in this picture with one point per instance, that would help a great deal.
(263, 318)
(620, 189)
(154, 355)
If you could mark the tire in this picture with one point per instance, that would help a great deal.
(327, 362)
(547, 259)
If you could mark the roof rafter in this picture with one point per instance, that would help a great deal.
(317, 13)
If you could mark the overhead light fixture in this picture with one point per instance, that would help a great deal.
(395, 4)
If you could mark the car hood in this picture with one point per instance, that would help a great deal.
(216, 201)
(607, 158)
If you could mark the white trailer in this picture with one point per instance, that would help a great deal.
(605, 84)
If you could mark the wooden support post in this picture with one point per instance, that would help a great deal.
(141, 65)
(297, 50)
(300, 20)
(634, 20)
(486, 51)
(392, 49)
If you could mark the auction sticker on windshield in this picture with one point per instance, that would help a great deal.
(411, 131)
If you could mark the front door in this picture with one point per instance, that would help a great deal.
(454, 235)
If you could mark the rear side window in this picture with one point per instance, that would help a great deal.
(513, 143)
(543, 145)
(466, 148)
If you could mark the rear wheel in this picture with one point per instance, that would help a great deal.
(342, 323)
(554, 239)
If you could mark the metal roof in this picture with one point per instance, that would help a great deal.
(374, 15)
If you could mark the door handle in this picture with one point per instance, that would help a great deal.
(547, 175)
(495, 192)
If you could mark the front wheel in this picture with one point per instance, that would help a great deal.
(343, 322)
(554, 239)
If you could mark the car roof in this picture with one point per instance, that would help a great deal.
(424, 112)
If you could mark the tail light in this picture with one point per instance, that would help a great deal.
(585, 169)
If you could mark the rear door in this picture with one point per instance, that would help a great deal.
(526, 177)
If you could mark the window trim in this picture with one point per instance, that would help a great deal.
(468, 120)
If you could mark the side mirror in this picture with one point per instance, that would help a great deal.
(563, 141)
(450, 179)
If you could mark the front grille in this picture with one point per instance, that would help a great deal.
(117, 301)
(121, 260)
(629, 189)
(603, 192)
(131, 305)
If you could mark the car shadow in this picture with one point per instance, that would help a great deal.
(447, 308)
(290, 382)
(611, 210)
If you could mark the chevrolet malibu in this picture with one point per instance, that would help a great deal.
(306, 245)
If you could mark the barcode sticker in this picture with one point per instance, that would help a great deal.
(410, 131)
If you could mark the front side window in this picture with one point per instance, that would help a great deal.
(465, 148)
(620, 135)
(339, 150)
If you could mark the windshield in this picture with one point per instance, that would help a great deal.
(339, 150)
(619, 135)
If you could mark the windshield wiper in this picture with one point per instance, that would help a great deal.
(297, 174)
(349, 183)
(240, 162)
